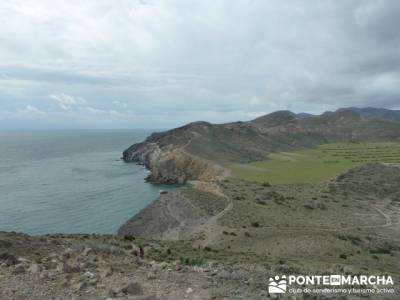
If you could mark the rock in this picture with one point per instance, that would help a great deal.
(60, 267)
(151, 275)
(89, 274)
(160, 266)
(23, 260)
(82, 286)
(112, 292)
(83, 265)
(87, 251)
(189, 291)
(133, 288)
(34, 269)
(198, 269)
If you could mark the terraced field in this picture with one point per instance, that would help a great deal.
(316, 165)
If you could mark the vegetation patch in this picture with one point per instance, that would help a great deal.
(316, 165)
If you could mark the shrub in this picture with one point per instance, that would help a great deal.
(129, 238)
(192, 261)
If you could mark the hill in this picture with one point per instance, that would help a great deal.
(201, 150)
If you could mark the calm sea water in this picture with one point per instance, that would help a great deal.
(70, 181)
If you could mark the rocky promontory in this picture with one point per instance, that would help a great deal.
(171, 163)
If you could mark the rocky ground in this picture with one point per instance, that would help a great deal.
(110, 267)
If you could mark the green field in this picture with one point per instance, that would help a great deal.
(316, 165)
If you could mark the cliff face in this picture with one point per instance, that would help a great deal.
(200, 150)
(171, 164)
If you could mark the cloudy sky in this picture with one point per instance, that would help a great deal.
(157, 64)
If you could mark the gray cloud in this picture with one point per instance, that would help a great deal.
(163, 63)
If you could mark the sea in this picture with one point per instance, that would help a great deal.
(70, 181)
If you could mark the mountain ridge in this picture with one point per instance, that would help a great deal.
(201, 150)
(379, 113)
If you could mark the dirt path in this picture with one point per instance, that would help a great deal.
(211, 228)
(174, 234)
(207, 225)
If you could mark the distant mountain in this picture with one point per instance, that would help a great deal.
(304, 115)
(200, 150)
(378, 113)
(277, 118)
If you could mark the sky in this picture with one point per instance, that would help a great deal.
(161, 64)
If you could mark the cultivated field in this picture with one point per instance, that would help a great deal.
(316, 165)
